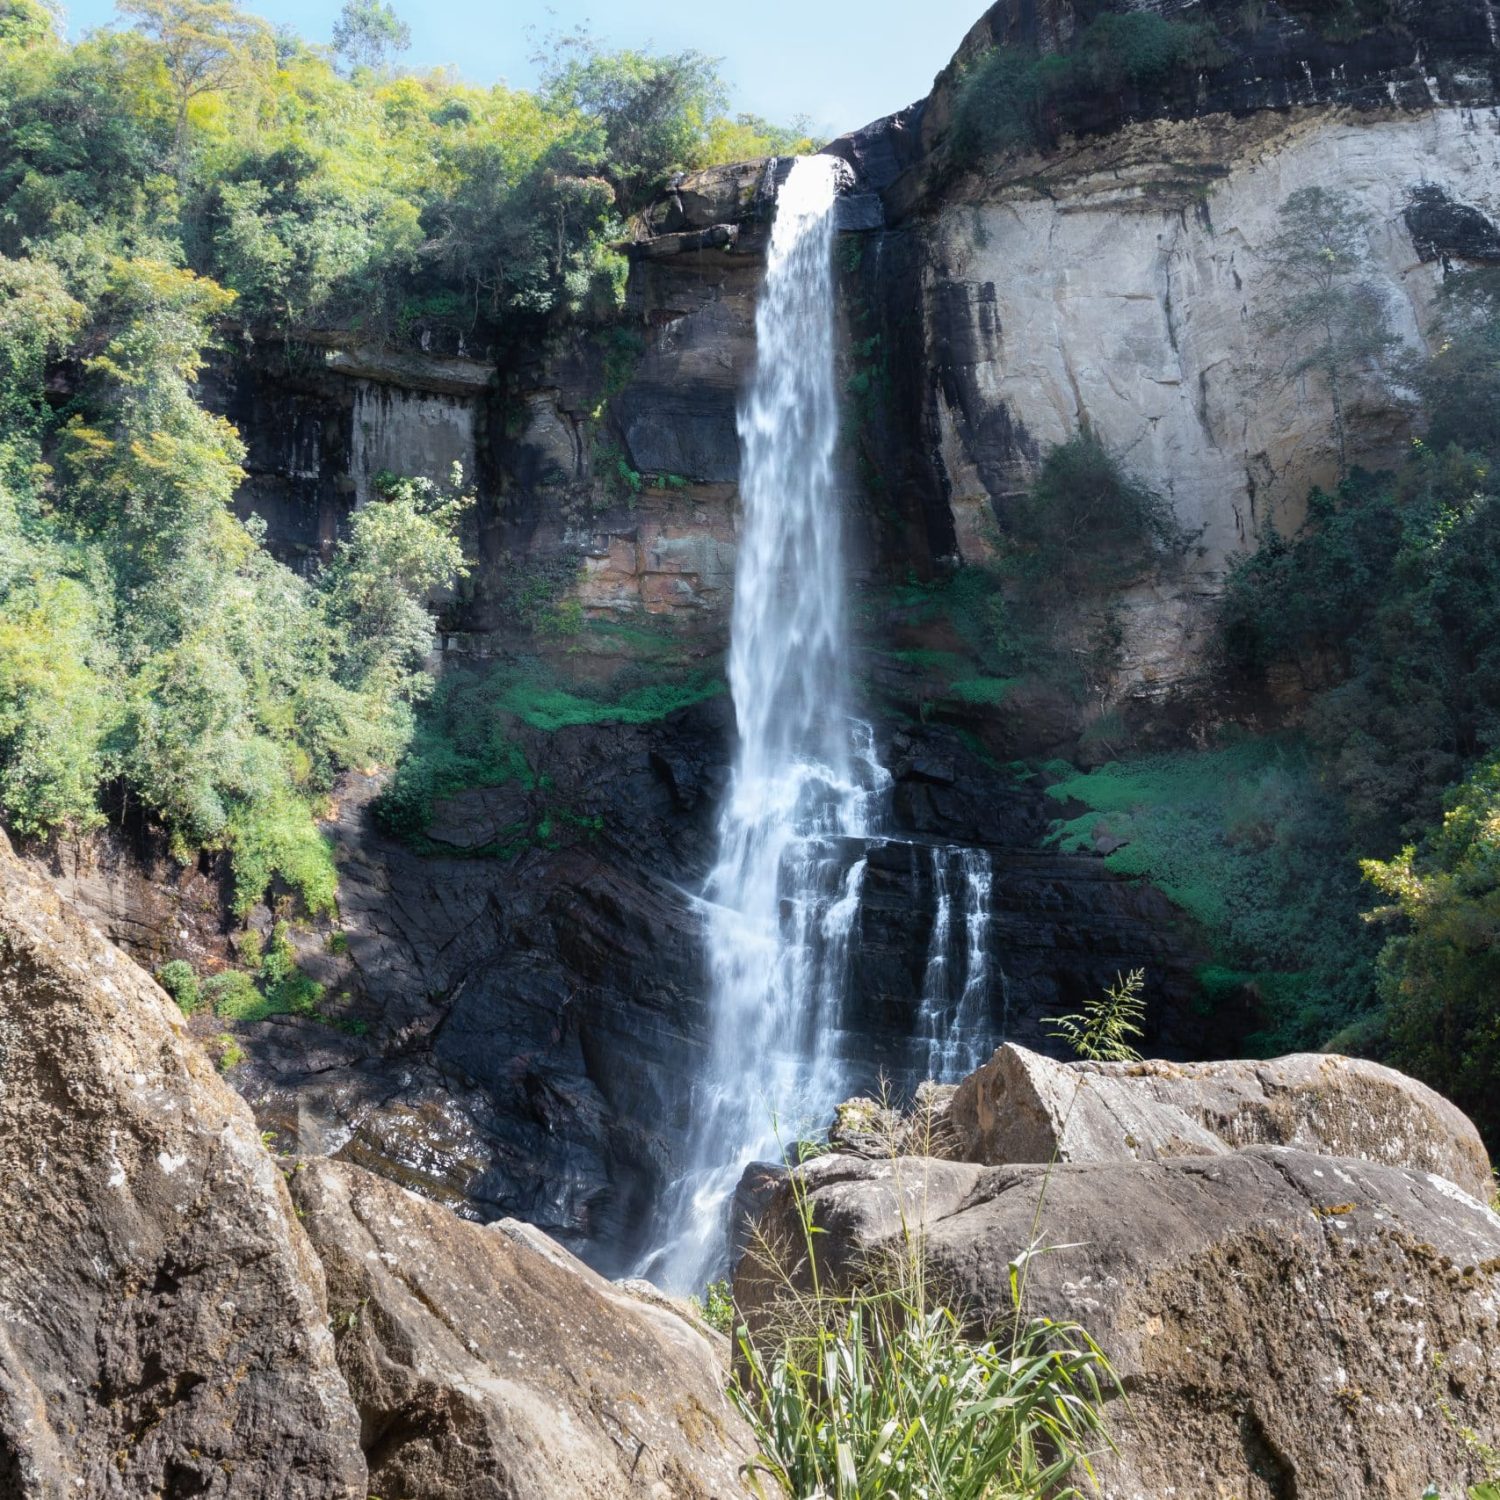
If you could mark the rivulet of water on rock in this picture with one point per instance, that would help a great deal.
(785, 891)
(953, 1022)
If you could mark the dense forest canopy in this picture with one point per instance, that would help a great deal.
(192, 174)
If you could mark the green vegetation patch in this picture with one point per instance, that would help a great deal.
(1011, 99)
(474, 733)
(1247, 841)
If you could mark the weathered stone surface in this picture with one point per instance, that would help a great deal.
(1022, 1107)
(411, 371)
(164, 1324)
(487, 1363)
(1285, 1324)
(1123, 286)
(716, 195)
(1409, 54)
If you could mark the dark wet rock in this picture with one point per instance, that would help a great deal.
(1444, 230)
(165, 1327)
(880, 152)
(488, 1363)
(1061, 929)
(1409, 54)
(1283, 1323)
(714, 196)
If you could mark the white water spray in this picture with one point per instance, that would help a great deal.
(784, 894)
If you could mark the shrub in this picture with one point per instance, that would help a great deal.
(233, 996)
(879, 1391)
(1246, 841)
(177, 978)
(1085, 524)
(229, 1052)
(1440, 972)
(1011, 99)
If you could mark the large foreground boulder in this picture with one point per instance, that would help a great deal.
(163, 1329)
(1022, 1107)
(488, 1363)
(1285, 1324)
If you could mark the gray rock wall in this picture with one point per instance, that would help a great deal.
(1123, 286)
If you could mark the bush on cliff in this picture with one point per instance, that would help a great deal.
(1011, 99)
(1386, 606)
(149, 645)
(1086, 524)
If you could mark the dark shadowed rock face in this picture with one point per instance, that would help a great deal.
(488, 1364)
(1284, 1324)
(534, 1022)
(1407, 54)
(163, 1329)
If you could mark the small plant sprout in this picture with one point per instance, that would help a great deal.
(1104, 1031)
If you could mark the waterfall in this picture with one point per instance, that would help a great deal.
(783, 896)
(953, 1032)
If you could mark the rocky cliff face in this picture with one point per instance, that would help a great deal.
(165, 1326)
(1113, 277)
(175, 1326)
(1281, 1259)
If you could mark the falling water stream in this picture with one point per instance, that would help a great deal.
(953, 1031)
(785, 890)
(808, 789)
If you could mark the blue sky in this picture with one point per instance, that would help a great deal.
(843, 64)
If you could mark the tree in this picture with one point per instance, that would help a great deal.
(650, 113)
(1326, 314)
(208, 46)
(1440, 972)
(401, 550)
(369, 33)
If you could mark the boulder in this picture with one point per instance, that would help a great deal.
(163, 1329)
(1284, 1324)
(487, 1362)
(1022, 1107)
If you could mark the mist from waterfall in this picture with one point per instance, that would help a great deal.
(782, 898)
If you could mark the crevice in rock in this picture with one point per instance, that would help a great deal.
(1265, 1458)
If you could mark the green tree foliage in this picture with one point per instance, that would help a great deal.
(647, 115)
(1440, 972)
(1387, 605)
(369, 33)
(1328, 317)
(145, 635)
(206, 47)
(399, 552)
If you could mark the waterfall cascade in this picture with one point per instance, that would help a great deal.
(784, 893)
(953, 1033)
(807, 788)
